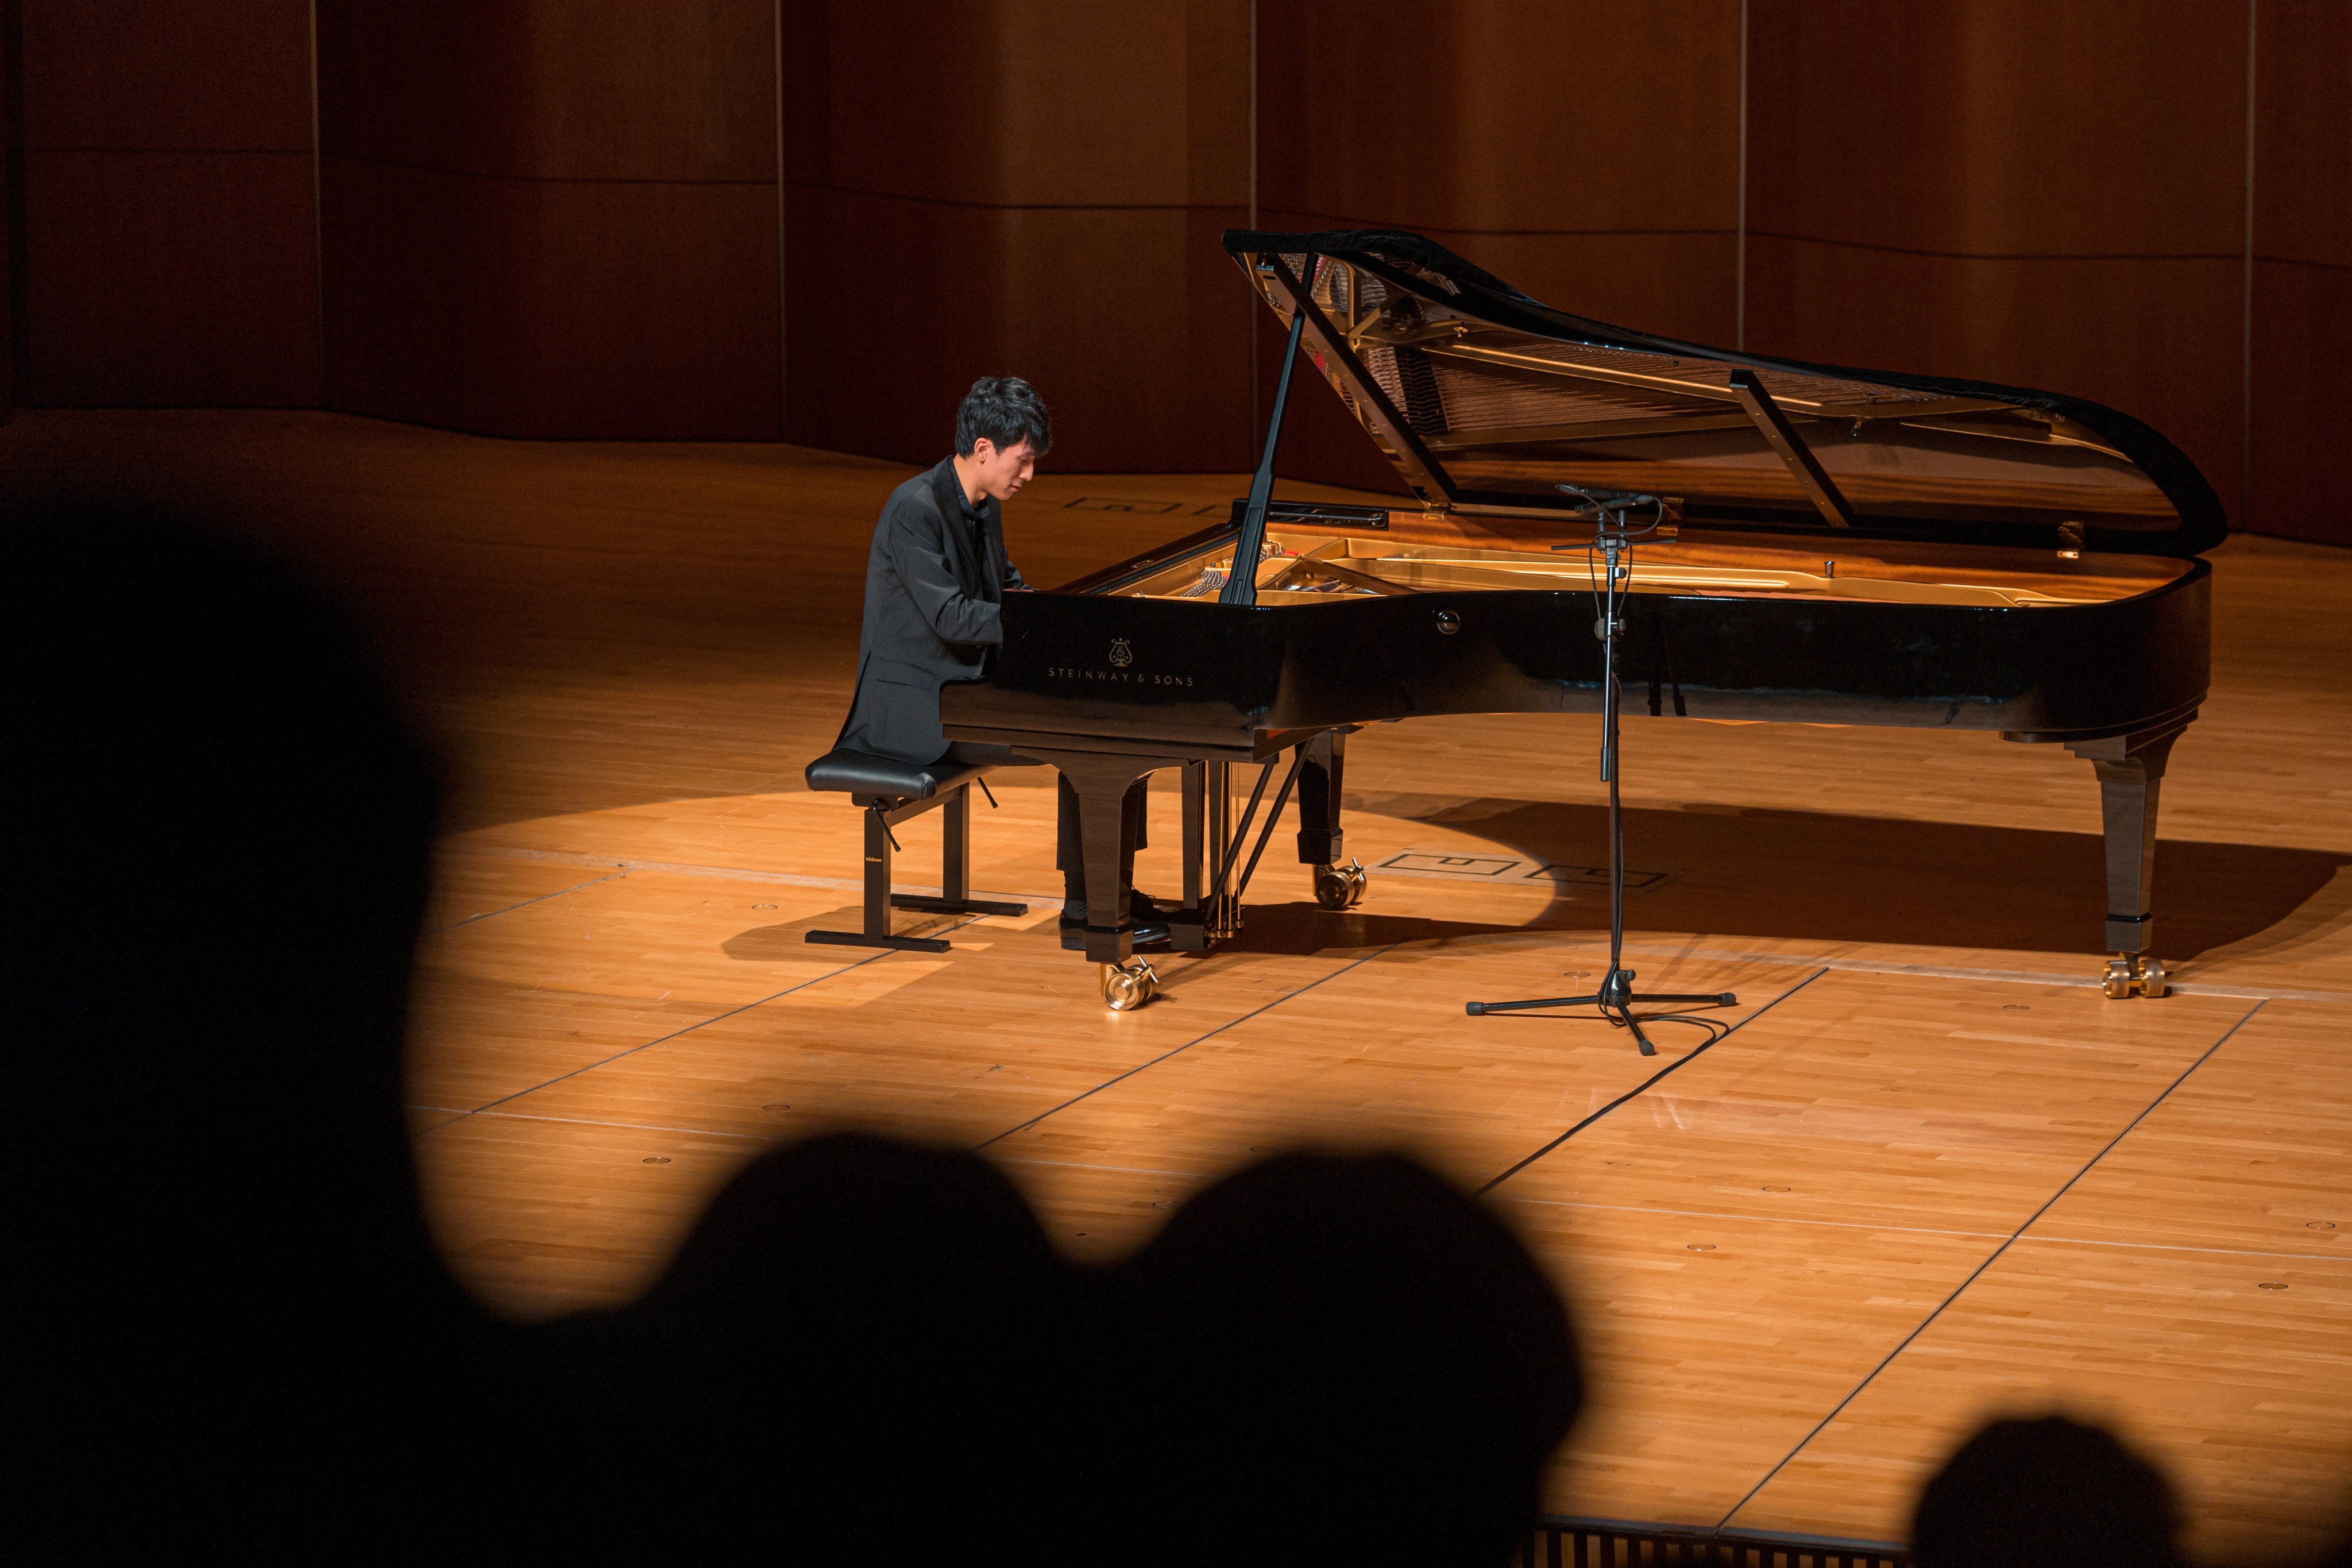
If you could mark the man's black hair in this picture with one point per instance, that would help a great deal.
(1003, 409)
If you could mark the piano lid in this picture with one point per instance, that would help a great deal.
(1484, 400)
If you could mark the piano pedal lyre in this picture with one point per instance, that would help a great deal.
(2135, 974)
(1340, 887)
(1128, 984)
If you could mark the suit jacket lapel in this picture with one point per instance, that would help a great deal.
(992, 536)
(948, 496)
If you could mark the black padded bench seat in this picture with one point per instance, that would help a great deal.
(891, 792)
(865, 778)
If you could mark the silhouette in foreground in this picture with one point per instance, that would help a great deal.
(2045, 1493)
(237, 1333)
(860, 1353)
(1325, 1359)
(236, 1336)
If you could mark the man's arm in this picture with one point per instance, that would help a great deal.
(922, 567)
(1013, 581)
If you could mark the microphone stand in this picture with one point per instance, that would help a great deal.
(1616, 998)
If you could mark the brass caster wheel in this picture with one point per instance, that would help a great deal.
(1128, 984)
(1340, 887)
(2132, 974)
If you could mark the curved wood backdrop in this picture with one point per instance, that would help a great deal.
(817, 220)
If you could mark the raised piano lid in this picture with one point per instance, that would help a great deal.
(1484, 400)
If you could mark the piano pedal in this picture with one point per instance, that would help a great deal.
(1340, 887)
(1128, 984)
(2135, 974)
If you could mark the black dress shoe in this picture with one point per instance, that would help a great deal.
(1148, 922)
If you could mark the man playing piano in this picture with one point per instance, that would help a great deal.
(935, 581)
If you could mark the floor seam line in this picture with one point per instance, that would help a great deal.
(486, 914)
(1178, 1050)
(632, 1126)
(1090, 1165)
(2181, 1247)
(1978, 1272)
(721, 873)
(1760, 1218)
(674, 1034)
(1645, 1085)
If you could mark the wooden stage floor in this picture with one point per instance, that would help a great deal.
(1932, 1174)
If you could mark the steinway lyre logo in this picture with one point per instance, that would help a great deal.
(1121, 656)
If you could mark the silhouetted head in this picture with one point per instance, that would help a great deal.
(1345, 1360)
(857, 1353)
(222, 832)
(2045, 1493)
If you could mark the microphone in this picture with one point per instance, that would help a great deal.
(1599, 501)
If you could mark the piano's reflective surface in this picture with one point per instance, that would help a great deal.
(1818, 545)
(1305, 566)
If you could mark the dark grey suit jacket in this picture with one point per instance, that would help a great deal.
(931, 616)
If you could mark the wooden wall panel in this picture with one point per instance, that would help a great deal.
(547, 218)
(1091, 305)
(193, 75)
(551, 308)
(553, 90)
(2052, 196)
(12, 223)
(2094, 128)
(1028, 187)
(2300, 481)
(2302, 464)
(1585, 152)
(171, 280)
(1049, 103)
(169, 235)
(2303, 133)
(1501, 116)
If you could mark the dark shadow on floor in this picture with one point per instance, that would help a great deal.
(771, 945)
(1296, 929)
(1880, 879)
(1807, 875)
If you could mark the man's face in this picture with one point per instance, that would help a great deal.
(1003, 470)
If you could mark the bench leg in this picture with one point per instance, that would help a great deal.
(877, 902)
(877, 875)
(955, 846)
(955, 879)
(955, 868)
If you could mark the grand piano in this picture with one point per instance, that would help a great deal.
(1823, 545)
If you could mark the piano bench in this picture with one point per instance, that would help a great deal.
(889, 792)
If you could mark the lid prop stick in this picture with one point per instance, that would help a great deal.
(1241, 581)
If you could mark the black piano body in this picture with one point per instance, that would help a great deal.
(1829, 546)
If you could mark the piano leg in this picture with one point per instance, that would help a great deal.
(2131, 776)
(1321, 778)
(1188, 926)
(1102, 781)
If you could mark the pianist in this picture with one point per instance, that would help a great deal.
(935, 585)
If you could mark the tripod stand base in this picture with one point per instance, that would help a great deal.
(1708, 998)
(1616, 1000)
